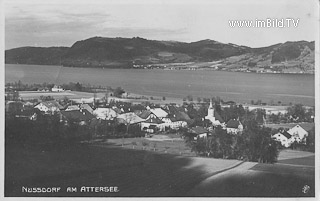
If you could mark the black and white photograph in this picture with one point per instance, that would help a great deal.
(192, 99)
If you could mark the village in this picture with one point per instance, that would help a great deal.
(149, 119)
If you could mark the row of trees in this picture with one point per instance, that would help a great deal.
(255, 144)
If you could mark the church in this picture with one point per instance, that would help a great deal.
(214, 117)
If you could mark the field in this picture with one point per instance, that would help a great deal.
(77, 96)
(306, 126)
(167, 169)
(135, 172)
(292, 176)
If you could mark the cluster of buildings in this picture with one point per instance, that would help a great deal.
(150, 120)
(288, 137)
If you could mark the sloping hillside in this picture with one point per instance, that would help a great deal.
(126, 52)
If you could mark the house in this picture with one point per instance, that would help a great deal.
(105, 113)
(213, 116)
(298, 134)
(151, 124)
(284, 138)
(57, 88)
(82, 117)
(174, 122)
(129, 118)
(199, 132)
(49, 107)
(234, 126)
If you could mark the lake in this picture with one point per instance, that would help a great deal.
(236, 86)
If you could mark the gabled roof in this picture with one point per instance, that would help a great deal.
(130, 118)
(199, 130)
(218, 117)
(160, 113)
(144, 114)
(77, 115)
(51, 104)
(72, 107)
(232, 123)
(297, 129)
(87, 107)
(105, 113)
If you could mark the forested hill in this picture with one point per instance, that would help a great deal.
(124, 52)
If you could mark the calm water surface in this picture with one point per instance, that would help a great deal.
(240, 87)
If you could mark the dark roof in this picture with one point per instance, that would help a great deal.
(218, 117)
(286, 134)
(232, 123)
(143, 114)
(83, 115)
(199, 130)
(179, 116)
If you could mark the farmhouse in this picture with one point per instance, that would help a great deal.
(234, 126)
(199, 132)
(151, 124)
(284, 138)
(298, 134)
(82, 117)
(49, 107)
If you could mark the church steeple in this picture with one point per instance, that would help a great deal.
(211, 110)
(210, 106)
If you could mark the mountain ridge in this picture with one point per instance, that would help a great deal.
(125, 52)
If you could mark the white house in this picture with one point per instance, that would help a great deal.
(57, 88)
(49, 107)
(105, 113)
(284, 138)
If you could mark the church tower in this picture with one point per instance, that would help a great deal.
(210, 115)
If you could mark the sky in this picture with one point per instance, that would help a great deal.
(45, 23)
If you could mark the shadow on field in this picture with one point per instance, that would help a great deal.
(262, 180)
(133, 172)
(138, 173)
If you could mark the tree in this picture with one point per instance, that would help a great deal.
(118, 92)
(297, 113)
(310, 141)
(144, 144)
